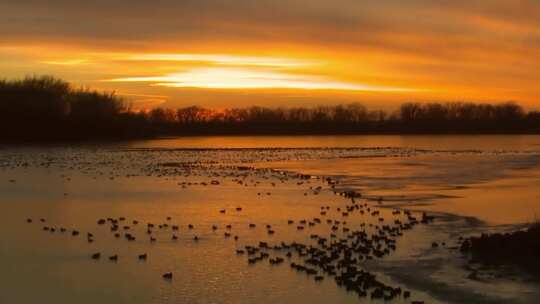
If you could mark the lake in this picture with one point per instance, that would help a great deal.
(469, 184)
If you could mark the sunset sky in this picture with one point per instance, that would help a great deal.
(280, 52)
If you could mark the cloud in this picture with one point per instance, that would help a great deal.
(221, 59)
(470, 47)
(65, 62)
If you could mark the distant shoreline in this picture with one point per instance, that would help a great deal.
(99, 140)
(42, 109)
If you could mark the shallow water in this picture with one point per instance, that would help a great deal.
(471, 183)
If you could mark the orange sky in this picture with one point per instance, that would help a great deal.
(280, 53)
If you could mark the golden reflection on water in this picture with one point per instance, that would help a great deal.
(441, 142)
(493, 188)
(496, 188)
(59, 269)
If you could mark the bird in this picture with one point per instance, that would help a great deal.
(168, 275)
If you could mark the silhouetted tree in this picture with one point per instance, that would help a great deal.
(47, 108)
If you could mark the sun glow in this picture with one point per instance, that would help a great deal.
(235, 78)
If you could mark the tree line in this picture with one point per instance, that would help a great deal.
(48, 108)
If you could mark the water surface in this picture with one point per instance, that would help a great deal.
(471, 183)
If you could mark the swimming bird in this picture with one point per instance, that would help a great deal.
(168, 275)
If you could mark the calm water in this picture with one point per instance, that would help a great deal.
(471, 183)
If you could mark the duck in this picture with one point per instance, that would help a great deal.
(168, 275)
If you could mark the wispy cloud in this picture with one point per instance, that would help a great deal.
(221, 59)
(65, 62)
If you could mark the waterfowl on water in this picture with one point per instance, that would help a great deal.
(168, 275)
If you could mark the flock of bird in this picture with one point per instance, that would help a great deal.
(338, 253)
(341, 256)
